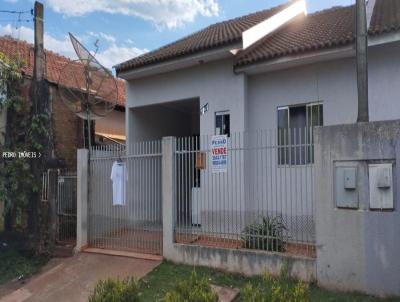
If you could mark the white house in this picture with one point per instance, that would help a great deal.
(279, 68)
(308, 60)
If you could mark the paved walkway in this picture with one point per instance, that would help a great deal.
(73, 279)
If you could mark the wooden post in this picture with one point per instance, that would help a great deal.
(38, 69)
(362, 61)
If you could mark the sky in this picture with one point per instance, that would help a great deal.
(128, 28)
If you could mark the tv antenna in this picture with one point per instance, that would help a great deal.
(86, 87)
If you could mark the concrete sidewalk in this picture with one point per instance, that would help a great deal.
(73, 279)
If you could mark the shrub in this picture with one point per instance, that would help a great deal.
(193, 289)
(266, 235)
(111, 290)
(270, 290)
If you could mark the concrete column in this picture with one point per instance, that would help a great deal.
(168, 195)
(82, 199)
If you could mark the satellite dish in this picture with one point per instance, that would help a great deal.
(86, 87)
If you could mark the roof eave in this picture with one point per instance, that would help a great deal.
(314, 57)
(296, 60)
(179, 63)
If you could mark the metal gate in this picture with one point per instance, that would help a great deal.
(59, 188)
(66, 207)
(133, 223)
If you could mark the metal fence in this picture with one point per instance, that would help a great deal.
(66, 206)
(125, 206)
(45, 186)
(263, 200)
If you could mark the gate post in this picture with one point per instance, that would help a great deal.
(82, 199)
(168, 195)
(52, 199)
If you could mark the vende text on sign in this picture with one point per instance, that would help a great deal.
(219, 153)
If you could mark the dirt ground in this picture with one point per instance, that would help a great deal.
(73, 279)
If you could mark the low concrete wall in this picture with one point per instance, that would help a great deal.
(247, 262)
(357, 249)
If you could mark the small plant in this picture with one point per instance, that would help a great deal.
(276, 290)
(111, 290)
(266, 235)
(193, 289)
(252, 293)
(301, 293)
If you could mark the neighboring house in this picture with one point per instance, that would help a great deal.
(307, 65)
(67, 128)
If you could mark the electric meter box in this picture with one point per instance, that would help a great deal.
(381, 186)
(346, 193)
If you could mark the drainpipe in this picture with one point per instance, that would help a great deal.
(362, 61)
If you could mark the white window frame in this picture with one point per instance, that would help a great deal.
(310, 156)
(221, 113)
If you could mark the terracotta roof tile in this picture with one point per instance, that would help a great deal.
(54, 63)
(386, 17)
(326, 29)
(214, 36)
(322, 30)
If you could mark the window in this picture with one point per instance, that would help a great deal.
(222, 123)
(295, 137)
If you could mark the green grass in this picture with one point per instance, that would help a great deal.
(15, 263)
(161, 279)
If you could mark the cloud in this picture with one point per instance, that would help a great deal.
(62, 46)
(101, 35)
(114, 55)
(109, 56)
(169, 13)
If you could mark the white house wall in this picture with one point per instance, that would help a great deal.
(213, 83)
(252, 102)
(154, 122)
(384, 79)
(334, 83)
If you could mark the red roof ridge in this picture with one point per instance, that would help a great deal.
(30, 45)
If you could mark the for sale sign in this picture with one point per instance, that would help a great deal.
(219, 153)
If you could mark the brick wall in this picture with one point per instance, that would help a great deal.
(67, 131)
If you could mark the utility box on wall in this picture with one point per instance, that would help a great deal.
(346, 193)
(381, 187)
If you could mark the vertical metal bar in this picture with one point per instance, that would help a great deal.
(285, 212)
(296, 167)
(179, 173)
(152, 191)
(185, 177)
